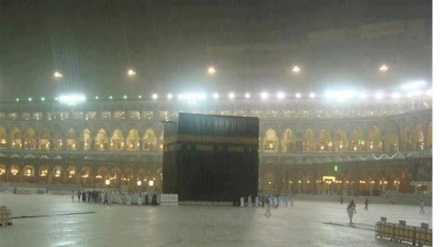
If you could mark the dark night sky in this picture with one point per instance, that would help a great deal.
(169, 43)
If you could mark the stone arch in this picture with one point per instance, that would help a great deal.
(309, 141)
(86, 174)
(132, 140)
(117, 141)
(270, 142)
(429, 136)
(44, 142)
(149, 141)
(14, 171)
(101, 140)
(288, 143)
(357, 141)
(375, 140)
(86, 138)
(115, 176)
(102, 174)
(57, 173)
(2, 169)
(127, 177)
(3, 138)
(269, 182)
(28, 171)
(30, 139)
(44, 170)
(325, 140)
(340, 141)
(16, 138)
(57, 138)
(391, 142)
(71, 171)
(419, 137)
(71, 140)
(405, 139)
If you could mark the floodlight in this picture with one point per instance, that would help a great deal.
(296, 69)
(395, 95)
(298, 95)
(215, 95)
(231, 95)
(211, 70)
(384, 68)
(154, 96)
(72, 99)
(131, 72)
(363, 95)
(379, 95)
(170, 96)
(312, 95)
(281, 95)
(264, 95)
(413, 85)
(247, 95)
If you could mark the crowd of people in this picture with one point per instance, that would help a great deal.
(108, 197)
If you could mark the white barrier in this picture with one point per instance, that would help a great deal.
(169, 199)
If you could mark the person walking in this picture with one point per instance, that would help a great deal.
(73, 195)
(268, 205)
(351, 210)
(366, 204)
(422, 207)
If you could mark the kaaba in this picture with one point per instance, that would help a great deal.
(210, 157)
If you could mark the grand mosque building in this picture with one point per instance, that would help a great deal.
(364, 142)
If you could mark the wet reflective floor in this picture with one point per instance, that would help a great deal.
(52, 220)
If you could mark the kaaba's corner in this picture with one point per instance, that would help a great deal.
(210, 157)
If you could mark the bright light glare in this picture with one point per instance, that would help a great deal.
(192, 96)
(413, 85)
(414, 93)
(29, 99)
(211, 70)
(281, 95)
(247, 95)
(363, 95)
(57, 74)
(131, 72)
(296, 69)
(215, 96)
(170, 96)
(379, 95)
(298, 95)
(384, 68)
(125, 96)
(395, 95)
(312, 95)
(342, 95)
(264, 95)
(72, 99)
(154, 96)
(231, 95)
